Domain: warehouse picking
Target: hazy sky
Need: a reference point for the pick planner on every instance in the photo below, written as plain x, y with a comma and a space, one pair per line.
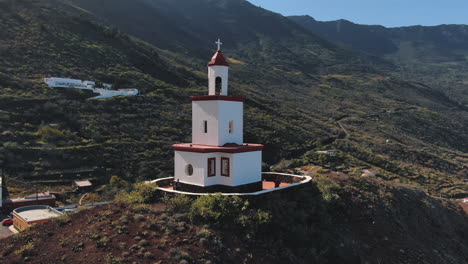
390, 13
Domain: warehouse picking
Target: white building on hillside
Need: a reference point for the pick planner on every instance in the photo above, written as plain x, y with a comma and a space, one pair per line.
217, 159
103, 89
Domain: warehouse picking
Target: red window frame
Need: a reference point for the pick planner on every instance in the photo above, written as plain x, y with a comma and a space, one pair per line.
210, 172
228, 169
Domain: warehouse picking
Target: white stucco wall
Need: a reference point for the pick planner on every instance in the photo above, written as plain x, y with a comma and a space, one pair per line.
218, 71
244, 168
231, 111
199, 162
217, 114
218, 179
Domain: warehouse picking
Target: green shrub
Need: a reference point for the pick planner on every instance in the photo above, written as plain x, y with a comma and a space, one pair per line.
7, 249
328, 188
217, 209
103, 242
110, 259
139, 218
26, 250
178, 204
78, 247
116, 181
144, 192
140, 208
50, 134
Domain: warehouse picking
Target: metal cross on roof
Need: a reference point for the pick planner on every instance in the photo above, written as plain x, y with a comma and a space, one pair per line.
219, 44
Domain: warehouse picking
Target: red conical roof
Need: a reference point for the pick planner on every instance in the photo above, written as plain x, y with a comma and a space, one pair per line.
218, 60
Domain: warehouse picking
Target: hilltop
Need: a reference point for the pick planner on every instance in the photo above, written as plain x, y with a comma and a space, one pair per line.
328, 221
298, 86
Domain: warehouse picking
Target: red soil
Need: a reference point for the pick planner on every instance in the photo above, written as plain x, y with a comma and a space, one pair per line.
114, 234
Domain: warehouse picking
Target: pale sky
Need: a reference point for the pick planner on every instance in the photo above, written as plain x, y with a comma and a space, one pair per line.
390, 13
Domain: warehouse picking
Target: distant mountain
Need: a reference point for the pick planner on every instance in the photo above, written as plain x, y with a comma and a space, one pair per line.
444, 42
190, 27
436, 55
355, 36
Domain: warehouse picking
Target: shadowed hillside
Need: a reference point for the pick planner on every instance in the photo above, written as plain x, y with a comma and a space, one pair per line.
327, 221
297, 84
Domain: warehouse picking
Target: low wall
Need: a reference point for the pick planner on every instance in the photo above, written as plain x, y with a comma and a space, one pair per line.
10, 205
287, 178
293, 180
20, 223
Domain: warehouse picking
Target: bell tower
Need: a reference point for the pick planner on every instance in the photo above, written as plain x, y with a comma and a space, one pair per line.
217, 159
218, 70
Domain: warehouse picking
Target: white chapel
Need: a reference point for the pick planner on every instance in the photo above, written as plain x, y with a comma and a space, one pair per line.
218, 160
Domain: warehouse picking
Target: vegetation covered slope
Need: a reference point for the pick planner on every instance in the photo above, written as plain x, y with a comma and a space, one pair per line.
297, 86
435, 55
327, 221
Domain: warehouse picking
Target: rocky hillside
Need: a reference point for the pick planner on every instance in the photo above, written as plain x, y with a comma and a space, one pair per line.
298, 86
329, 221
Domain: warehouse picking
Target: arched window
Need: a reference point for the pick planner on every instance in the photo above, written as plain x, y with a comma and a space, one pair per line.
218, 85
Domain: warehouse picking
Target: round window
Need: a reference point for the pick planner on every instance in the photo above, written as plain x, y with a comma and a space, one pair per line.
189, 169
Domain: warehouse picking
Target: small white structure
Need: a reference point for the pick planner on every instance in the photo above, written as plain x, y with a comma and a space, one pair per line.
66, 83
217, 158
330, 153
27, 216
104, 91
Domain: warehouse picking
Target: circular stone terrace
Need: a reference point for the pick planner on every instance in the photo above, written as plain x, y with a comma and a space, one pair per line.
287, 181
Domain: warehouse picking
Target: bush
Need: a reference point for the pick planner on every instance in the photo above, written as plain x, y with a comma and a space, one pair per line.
144, 192
50, 134
103, 242
110, 259
26, 250
217, 209
328, 188
178, 203
116, 181
139, 218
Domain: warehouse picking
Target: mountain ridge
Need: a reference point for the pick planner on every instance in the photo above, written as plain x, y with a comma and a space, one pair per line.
434, 55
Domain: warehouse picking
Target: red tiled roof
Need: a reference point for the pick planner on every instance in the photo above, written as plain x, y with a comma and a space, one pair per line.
225, 149
218, 60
